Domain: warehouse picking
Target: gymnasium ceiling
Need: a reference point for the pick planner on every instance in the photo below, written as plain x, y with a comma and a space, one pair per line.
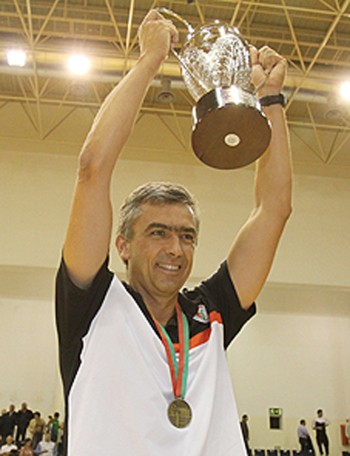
42, 102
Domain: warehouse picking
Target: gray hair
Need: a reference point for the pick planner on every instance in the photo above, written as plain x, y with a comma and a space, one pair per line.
154, 193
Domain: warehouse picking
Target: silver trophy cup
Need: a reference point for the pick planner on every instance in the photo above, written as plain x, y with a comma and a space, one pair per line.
229, 128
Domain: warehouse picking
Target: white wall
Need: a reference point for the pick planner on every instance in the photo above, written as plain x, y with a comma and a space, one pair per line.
298, 363
36, 193
28, 356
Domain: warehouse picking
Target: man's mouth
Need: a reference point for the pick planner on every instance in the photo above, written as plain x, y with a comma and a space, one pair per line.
169, 267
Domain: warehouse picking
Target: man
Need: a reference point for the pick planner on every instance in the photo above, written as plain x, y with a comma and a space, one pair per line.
36, 429
305, 439
319, 424
8, 423
2, 436
143, 365
46, 446
347, 429
24, 415
8, 446
55, 425
245, 432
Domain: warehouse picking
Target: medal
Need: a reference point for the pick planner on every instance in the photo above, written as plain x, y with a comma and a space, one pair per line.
179, 411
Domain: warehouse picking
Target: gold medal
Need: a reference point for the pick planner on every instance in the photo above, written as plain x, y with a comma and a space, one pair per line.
179, 413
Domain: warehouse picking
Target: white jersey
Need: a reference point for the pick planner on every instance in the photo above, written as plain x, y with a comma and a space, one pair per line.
119, 397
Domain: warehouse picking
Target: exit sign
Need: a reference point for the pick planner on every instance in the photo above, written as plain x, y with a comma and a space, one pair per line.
275, 411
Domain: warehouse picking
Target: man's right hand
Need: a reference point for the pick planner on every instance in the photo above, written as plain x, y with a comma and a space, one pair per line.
156, 36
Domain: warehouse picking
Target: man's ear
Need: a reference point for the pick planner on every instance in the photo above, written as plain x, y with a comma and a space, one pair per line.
122, 246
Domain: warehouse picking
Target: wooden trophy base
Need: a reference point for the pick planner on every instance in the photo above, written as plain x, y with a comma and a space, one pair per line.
230, 130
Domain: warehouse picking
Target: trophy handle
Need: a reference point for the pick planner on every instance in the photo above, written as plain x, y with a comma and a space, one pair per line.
181, 61
169, 12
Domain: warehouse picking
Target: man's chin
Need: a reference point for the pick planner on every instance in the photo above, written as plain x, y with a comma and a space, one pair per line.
171, 285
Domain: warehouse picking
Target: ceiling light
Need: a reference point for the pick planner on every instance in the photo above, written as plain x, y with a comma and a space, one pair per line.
78, 64
16, 57
345, 90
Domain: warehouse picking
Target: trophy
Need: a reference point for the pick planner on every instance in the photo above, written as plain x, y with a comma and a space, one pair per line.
229, 128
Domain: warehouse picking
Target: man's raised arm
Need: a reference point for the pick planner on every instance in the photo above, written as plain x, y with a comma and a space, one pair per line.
252, 253
89, 229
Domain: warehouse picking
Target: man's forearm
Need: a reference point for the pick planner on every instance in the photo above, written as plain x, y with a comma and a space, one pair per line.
116, 117
273, 174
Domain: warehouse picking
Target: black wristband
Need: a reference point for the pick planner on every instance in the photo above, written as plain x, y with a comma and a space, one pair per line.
273, 99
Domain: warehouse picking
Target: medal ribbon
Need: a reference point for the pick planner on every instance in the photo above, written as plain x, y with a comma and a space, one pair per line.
178, 369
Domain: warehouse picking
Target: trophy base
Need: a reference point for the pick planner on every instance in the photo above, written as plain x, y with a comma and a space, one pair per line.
230, 130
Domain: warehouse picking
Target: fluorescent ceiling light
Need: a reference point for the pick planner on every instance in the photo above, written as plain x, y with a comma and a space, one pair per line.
16, 57
78, 64
345, 90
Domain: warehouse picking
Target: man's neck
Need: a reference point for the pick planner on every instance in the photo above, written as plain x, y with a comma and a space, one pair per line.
161, 307
161, 310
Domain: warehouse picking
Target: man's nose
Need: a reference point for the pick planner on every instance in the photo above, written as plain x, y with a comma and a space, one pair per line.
174, 245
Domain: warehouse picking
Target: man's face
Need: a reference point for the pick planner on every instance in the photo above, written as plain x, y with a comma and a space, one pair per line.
160, 253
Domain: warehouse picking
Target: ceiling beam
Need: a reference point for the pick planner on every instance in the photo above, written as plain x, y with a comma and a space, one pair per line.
320, 49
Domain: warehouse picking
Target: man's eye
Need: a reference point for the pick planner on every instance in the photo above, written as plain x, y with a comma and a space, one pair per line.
189, 238
158, 233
